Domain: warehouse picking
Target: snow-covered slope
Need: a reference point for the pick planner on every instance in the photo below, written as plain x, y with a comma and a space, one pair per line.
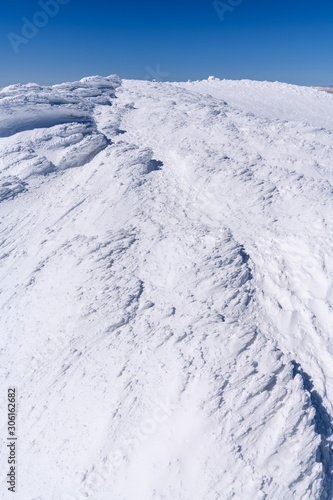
167, 289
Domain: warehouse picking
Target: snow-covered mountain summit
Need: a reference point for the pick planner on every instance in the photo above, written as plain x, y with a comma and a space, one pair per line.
167, 289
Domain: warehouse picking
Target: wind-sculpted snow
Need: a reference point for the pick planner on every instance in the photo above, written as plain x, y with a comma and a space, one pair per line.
52, 128
167, 303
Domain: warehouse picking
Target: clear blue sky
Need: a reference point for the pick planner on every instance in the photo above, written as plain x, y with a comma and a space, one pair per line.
283, 40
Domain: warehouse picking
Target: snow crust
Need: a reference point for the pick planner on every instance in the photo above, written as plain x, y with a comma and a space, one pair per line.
167, 289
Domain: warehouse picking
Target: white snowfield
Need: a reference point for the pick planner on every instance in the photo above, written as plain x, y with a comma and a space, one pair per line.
166, 300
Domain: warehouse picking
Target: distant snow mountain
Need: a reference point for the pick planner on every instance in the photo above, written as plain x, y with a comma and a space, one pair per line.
328, 89
166, 298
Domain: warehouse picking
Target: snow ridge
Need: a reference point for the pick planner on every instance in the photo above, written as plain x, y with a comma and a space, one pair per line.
166, 294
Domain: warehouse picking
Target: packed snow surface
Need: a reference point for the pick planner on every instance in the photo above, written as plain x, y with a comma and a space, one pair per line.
166, 301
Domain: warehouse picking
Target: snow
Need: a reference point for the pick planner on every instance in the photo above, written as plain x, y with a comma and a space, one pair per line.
167, 289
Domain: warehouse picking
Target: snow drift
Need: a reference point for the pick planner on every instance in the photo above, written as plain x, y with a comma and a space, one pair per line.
167, 289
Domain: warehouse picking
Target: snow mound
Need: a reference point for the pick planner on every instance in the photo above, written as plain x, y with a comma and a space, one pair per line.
167, 289
44, 129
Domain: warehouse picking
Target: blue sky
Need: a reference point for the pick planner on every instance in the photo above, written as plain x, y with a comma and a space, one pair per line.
282, 40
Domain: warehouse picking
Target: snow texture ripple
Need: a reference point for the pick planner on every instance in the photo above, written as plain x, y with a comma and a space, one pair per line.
166, 297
